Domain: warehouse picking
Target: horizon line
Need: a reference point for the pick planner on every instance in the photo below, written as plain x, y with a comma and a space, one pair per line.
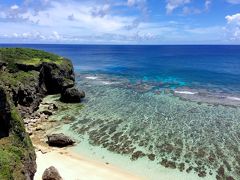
119, 44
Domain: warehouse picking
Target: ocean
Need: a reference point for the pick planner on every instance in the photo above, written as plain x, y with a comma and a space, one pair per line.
160, 109
192, 66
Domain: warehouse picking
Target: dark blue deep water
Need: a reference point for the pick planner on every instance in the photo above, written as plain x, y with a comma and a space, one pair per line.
205, 66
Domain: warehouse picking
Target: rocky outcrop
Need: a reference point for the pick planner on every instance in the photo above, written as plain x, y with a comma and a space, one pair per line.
57, 78
51, 173
29, 80
72, 95
26, 76
59, 140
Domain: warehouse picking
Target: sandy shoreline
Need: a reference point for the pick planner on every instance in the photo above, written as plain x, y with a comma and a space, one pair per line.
73, 166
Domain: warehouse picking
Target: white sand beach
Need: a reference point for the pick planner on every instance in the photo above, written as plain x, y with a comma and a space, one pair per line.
74, 167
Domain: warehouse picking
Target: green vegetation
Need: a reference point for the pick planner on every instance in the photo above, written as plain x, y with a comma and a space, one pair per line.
15, 80
14, 149
27, 56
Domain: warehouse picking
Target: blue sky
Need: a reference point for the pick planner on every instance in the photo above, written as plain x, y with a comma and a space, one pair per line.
120, 21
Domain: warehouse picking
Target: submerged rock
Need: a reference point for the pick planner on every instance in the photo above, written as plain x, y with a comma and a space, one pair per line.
72, 95
168, 164
59, 140
137, 154
51, 173
151, 157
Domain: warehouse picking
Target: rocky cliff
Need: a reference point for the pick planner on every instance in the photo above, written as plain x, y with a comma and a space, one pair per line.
26, 76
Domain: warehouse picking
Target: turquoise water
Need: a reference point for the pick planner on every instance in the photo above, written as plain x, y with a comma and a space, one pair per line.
159, 106
166, 129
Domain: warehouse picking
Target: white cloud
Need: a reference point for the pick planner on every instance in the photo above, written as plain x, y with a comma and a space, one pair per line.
135, 2
207, 4
14, 7
81, 14
234, 1
233, 19
35, 35
233, 26
173, 4
94, 21
55, 35
27, 35
100, 11
75, 22
193, 10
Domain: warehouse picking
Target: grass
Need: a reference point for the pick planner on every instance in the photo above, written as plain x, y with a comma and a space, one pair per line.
18, 78
28, 56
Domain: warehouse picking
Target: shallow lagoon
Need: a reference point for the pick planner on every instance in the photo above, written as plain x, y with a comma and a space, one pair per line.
151, 126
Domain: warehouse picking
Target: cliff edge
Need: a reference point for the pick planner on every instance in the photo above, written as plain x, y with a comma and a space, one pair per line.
26, 76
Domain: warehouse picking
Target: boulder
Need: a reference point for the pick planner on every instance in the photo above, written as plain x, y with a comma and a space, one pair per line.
56, 78
59, 140
51, 173
72, 95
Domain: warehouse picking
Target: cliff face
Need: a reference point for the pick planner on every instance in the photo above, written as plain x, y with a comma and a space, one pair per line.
26, 76
16, 151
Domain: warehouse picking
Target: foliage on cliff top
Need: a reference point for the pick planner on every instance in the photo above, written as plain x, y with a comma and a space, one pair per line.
28, 56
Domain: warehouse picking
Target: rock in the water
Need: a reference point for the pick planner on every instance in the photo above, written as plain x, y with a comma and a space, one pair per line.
72, 95
51, 173
137, 154
59, 140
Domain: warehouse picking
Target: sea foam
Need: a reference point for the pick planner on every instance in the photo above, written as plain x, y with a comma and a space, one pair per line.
186, 92
233, 98
91, 77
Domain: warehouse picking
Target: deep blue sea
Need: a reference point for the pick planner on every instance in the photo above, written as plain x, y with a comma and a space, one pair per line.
150, 107
199, 66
